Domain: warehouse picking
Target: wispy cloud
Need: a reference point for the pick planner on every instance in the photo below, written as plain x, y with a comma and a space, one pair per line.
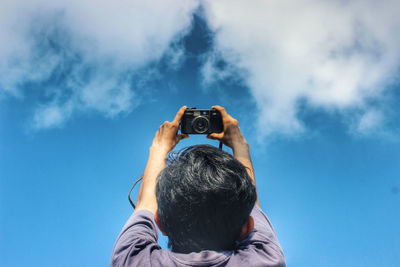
334, 55
91, 50
369, 120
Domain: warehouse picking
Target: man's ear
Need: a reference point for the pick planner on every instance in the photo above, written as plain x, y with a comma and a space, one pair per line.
247, 227
158, 222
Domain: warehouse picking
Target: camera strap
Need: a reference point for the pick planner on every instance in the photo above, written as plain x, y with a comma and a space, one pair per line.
130, 191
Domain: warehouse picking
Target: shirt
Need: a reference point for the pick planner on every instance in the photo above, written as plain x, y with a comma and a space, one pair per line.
137, 246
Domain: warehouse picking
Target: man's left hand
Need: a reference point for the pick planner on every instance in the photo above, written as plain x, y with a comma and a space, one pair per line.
167, 135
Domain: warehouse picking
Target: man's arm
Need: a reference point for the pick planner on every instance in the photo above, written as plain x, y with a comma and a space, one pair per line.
262, 239
233, 138
164, 141
139, 235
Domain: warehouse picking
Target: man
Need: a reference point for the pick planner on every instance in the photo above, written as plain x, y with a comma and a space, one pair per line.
204, 200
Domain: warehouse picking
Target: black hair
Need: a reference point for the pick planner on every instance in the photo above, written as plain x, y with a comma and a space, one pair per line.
204, 197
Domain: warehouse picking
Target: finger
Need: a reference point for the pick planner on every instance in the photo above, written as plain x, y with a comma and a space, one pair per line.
209, 137
179, 137
215, 136
182, 136
221, 109
179, 115
164, 124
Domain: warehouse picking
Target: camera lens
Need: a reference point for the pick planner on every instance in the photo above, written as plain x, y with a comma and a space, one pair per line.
200, 124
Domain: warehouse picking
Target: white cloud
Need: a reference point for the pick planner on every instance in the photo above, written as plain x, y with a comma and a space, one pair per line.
335, 55
50, 116
93, 48
369, 121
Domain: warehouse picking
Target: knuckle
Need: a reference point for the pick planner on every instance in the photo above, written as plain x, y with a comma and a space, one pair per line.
232, 122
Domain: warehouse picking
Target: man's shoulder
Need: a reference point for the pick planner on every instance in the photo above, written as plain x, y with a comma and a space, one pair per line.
261, 245
137, 246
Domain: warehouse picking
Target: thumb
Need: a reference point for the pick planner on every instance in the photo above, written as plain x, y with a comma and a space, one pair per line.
215, 136
179, 137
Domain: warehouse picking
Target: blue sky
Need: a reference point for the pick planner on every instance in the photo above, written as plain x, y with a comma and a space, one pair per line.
77, 116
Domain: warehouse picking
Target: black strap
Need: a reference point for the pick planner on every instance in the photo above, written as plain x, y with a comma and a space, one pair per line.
133, 186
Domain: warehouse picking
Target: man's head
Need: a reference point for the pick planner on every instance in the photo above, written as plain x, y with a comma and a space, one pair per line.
204, 199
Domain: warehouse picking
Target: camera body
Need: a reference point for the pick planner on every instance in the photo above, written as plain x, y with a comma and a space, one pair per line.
201, 121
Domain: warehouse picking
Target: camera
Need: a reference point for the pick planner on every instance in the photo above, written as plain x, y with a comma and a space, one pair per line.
201, 121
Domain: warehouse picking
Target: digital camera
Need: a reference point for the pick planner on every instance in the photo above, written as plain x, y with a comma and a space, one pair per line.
201, 121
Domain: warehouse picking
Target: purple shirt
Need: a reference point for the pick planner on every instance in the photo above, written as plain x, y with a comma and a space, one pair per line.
137, 246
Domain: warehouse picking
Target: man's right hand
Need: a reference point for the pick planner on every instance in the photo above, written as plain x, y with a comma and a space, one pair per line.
231, 136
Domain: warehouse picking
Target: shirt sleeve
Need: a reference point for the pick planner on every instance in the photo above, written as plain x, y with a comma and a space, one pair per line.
262, 240
139, 235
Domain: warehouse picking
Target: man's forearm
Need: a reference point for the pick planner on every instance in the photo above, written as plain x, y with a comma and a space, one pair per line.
164, 141
241, 152
147, 193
